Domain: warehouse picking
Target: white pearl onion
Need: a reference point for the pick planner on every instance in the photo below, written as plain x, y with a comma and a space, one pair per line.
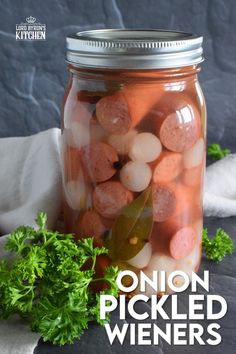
141, 259
135, 176
77, 135
162, 262
194, 156
121, 143
189, 263
77, 194
145, 147
157, 263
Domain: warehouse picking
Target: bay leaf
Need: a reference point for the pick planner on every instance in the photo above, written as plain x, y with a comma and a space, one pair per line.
132, 228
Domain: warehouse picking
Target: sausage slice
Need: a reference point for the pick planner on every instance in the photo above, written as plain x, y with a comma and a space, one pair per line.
168, 167
98, 161
182, 242
90, 225
113, 114
110, 197
125, 109
164, 202
177, 122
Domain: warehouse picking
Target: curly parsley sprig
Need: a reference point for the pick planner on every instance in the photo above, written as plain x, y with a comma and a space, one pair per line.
215, 152
48, 282
217, 247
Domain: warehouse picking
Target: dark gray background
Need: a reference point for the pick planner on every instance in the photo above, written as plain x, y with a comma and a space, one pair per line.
33, 74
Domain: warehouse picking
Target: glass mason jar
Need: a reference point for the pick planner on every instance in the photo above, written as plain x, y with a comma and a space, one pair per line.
133, 136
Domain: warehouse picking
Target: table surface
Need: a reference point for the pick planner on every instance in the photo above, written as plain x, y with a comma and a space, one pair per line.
222, 282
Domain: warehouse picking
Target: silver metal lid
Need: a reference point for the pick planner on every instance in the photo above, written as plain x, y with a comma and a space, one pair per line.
133, 49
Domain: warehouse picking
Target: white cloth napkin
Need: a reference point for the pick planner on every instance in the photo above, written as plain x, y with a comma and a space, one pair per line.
220, 188
30, 181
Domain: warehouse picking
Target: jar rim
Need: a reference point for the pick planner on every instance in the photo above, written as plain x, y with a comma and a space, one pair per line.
133, 49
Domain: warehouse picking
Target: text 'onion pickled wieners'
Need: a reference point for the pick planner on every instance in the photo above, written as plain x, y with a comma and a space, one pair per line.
90, 225
98, 161
110, 197
168, 167
177, 122
164, 202
145, 147
182, 242
136, 176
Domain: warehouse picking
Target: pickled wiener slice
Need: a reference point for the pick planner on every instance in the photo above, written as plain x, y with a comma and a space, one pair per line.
98, 161
165, 233
110, 197
177, 122
145, 147
113, 114
125, 109
141, 99
182, 242
164, 202
135, 176
168, 167
177, 135
90, 225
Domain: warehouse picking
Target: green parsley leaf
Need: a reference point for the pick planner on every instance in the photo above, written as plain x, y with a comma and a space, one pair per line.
41, 220
215, 152
48, 283
218, 247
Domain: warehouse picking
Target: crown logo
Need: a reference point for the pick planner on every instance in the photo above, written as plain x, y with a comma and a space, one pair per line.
31, 19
